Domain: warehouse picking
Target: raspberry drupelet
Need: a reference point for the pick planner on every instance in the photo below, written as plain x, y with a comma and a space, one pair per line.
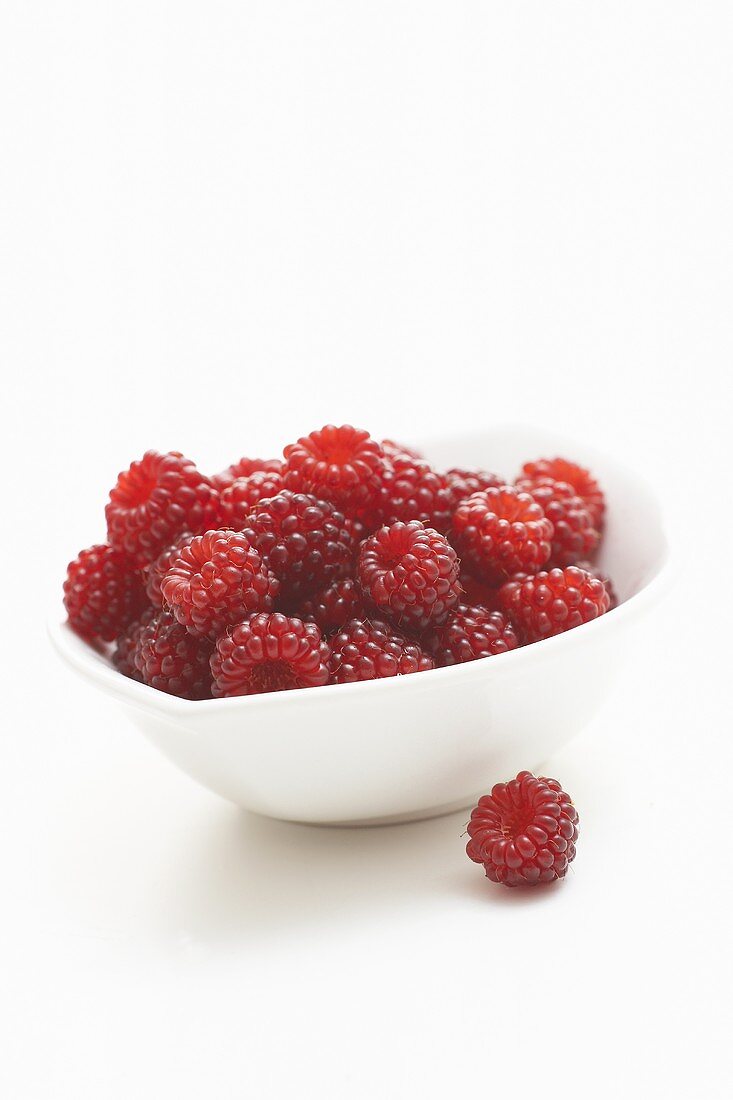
501, 531
170, 659
306, 542
409, 572
550, 603
215, 580
585, 485
269, 653
606, 580
342, 465
155, 501
245, 468
239, 498
575, 536
373, 650
470, 633
103, 593
524, 832
333, 606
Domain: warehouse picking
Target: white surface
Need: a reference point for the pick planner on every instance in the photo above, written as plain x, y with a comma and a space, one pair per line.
378, 753
221, 225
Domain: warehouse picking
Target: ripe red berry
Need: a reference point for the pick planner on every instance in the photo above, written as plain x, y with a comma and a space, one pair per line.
103, 593
269, 653
372, 650
306, 542
245, 468
239, 498
217, 579
126, 646
552, 602
470, 633
575, 536
464, 483
524, 832
411, 489
155, 501
342, 465
410, 573
501, 531
334, 605
170, 659
585, 485
154, 573
604, 578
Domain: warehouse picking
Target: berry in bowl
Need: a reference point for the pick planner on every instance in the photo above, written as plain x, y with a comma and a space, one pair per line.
357, 633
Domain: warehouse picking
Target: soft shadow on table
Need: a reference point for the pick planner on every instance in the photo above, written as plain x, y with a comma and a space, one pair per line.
245, 875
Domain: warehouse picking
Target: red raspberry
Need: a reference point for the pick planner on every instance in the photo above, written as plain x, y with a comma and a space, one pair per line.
154, 573
464, 483
604, 578
239, 498
245, 468
170, 659
304, 541
102, 593
585, 485
524, 832
501, 531
411, 489
552, 602
574, 536
155, 501
125, 651
392, 449
333, 606
269, 653
215, 580
470, 633
410, 572
342, 465
372, 650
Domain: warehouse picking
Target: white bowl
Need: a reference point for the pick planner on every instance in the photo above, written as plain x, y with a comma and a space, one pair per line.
426, 744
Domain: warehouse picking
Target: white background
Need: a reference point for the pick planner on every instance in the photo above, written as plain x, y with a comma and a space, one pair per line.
222, 225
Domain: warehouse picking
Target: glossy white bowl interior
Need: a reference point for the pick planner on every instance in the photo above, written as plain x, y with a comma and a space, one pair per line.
419, 745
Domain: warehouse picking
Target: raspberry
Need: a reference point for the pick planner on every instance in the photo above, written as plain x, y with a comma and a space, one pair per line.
342, 465
269, 653
501, 531
470, 633
154, 573
604, 578
304, 541
464, 483
411, 489
524, 832
170, 659
410, 572
373, 650
245, 468
333, 606
392, 449
102, 593
215, 580
574, 536
585, 485
125, 651
239, 498
551, 602
155, 501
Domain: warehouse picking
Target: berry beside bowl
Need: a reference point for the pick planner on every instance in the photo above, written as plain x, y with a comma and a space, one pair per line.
492, 687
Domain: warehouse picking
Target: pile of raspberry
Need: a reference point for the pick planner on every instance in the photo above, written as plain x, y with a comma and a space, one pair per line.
348, 559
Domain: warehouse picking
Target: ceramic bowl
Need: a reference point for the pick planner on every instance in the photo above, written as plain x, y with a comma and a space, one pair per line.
421, 745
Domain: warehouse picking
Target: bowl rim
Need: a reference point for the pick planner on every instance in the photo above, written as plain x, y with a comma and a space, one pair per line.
83, 657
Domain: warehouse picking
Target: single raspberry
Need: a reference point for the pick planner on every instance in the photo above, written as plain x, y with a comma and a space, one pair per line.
239, 498
470, 633
410, 573
392, 449
585, 485
170, 659
372, 650
334, 605
342, 465
524, 832
552, 602
464, 483
154, 573
215, 580
125, 651
476, 593
575, 536
501, 531
155, 501
411, 489
269, 653
304, 541
604, 578
103, 593
245, 468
